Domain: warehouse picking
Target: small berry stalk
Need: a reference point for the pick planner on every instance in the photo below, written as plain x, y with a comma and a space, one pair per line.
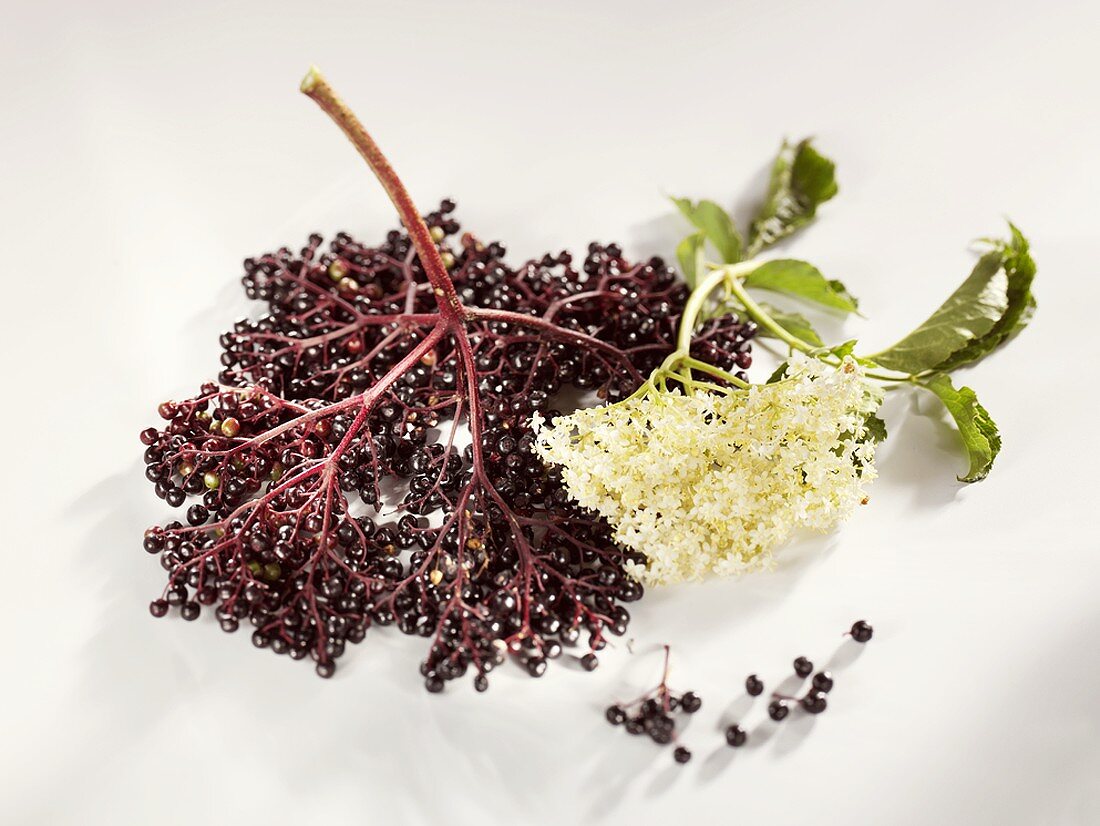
652, 713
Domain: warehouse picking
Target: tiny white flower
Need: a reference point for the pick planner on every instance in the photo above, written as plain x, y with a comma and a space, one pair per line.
712, 483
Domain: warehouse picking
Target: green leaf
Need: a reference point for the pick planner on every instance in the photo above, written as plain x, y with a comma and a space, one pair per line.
779, 373
716, 224
977, 429
690, 254
876, 428
801, 180
969, 314
794, 323
839, 288
1020, 269
844, 349
802, 280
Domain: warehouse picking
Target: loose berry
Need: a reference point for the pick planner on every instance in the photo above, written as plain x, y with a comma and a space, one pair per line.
777, 710
736, 736
681, 755
862, 631
803, 667
823, 682
754, 685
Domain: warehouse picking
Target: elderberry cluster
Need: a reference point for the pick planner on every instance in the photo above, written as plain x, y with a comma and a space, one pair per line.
653, 714
325, 485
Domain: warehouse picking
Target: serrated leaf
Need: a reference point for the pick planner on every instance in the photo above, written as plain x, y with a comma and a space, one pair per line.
689, 253
1020, 269
802, 280
970, 313
716, 225
801, 180
794, 323
979, 433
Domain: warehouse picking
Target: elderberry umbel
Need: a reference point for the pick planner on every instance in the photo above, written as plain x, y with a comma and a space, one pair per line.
653, 713
357, 379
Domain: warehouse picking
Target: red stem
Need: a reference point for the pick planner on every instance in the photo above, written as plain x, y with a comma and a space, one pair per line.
553, 331
317, 88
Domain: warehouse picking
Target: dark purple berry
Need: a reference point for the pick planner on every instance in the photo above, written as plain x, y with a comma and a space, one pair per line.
814, 702
777, 710
823, 682
862, 631
754, 685
681, 754
803, 667
661, 736
736, 736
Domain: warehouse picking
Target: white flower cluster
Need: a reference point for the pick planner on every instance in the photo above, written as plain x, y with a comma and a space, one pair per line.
711, 483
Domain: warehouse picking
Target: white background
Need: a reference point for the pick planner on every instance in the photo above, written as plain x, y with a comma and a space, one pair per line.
147, 148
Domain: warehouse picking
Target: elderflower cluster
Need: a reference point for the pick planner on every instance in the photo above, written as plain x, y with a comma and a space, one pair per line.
711, 483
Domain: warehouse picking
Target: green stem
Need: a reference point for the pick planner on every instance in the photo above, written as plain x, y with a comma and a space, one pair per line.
679, 364
703, 367
723, 276
775, 328
762, 318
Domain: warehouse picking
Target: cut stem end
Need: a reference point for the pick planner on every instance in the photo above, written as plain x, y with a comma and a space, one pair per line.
312, 79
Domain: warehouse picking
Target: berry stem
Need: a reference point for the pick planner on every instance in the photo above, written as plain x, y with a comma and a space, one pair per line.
317, 88
553, 331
